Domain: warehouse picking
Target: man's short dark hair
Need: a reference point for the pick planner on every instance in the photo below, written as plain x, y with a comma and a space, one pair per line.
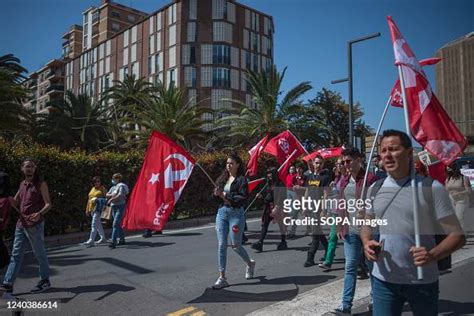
405, 140
352, 152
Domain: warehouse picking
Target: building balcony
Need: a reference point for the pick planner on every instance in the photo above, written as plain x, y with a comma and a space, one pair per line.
55, 89
54, 75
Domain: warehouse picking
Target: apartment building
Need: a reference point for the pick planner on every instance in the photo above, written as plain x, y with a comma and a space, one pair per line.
205, 46
455, 83
46, 84
102, 23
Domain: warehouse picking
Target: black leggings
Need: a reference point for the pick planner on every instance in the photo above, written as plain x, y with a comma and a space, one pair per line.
315, 239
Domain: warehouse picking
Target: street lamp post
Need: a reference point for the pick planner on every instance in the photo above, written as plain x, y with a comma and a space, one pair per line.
349, 80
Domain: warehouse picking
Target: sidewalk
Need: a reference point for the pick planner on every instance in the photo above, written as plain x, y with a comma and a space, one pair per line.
324, 299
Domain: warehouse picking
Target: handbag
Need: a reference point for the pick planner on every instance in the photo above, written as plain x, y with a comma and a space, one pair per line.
107, 213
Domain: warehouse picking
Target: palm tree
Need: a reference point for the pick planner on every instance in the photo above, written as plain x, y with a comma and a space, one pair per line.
269, 114
12, 113
168, 113
73, 122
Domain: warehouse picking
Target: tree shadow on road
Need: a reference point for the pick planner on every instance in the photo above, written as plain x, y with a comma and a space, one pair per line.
109, 290
226, 295
141, 244
30, 266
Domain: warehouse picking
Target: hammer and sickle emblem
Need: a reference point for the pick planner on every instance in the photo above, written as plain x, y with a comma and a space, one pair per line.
172, 175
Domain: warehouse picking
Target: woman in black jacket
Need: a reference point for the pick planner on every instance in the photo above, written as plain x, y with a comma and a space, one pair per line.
232, 189
273, 197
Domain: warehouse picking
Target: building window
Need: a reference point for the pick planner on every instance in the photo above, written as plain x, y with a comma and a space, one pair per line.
190, 77
106, 82
172, 77
191, 31
192, 54
134, 34
221, 54
221, 77
115, 26
125, 71
115, 14
172, 35
157, 63
150, 64
95, 16
172, 14
192, 9
131, 18
255, 62
248, 60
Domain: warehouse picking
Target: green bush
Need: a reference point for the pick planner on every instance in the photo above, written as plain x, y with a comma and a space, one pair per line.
68, 175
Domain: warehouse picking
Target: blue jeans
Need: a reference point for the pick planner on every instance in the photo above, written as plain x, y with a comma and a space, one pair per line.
352, 253
227, 218
389, 298
96, 227
35, 235
117, 231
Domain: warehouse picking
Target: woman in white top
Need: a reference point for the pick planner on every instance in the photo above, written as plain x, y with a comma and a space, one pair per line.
459, 188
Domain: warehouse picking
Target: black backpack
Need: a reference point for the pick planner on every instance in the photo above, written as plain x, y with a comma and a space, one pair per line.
427, 183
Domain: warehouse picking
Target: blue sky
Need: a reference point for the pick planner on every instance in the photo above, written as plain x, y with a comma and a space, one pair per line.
310, 38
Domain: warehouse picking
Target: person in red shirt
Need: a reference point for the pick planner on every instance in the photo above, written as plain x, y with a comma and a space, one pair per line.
33, 202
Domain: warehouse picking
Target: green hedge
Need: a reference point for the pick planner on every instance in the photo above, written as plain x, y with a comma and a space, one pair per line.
68, 175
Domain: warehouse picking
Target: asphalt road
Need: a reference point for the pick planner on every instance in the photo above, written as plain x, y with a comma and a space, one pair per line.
173, 274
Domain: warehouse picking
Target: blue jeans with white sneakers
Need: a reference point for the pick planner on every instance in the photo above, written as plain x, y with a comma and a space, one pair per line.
230, 222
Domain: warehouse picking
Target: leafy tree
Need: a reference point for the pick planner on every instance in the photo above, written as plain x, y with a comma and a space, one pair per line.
248, 123
168, 113
12, 113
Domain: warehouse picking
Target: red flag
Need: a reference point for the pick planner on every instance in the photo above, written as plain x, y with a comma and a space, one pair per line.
253, 184
254, 154
325, 153
396, 93
283, 145
430, 125
165, 171
438, 172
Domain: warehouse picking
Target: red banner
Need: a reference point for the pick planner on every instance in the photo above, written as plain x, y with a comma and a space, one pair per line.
165, 171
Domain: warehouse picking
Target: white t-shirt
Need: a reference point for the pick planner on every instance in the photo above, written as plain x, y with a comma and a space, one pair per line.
395, 264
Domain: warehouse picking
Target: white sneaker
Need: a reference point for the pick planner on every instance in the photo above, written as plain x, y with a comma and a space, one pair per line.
102, 241
90, 242
220, 283
249, 270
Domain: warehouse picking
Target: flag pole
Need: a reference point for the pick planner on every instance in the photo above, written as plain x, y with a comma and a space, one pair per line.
266, 184
208, 176
372, 150
414, 190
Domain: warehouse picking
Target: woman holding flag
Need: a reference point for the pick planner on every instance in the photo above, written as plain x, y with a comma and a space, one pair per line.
232, 190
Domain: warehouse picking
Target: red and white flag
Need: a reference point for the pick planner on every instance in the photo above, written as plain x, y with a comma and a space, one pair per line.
283, 145
255, 183
165, 171
430, 125
325, 153
254, 153
396, 93
286, 148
